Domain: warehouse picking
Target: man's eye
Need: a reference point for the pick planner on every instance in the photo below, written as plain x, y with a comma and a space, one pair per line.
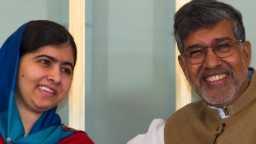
223, 47
196, 52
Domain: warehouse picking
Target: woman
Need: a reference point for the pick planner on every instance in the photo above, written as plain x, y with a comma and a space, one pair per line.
37, 63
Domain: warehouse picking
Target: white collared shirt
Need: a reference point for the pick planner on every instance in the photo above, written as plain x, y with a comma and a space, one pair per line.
155, 134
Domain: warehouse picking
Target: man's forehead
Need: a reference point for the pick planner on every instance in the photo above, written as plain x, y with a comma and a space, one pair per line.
209, 34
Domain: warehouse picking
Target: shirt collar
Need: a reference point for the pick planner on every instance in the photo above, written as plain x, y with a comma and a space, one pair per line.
242, 102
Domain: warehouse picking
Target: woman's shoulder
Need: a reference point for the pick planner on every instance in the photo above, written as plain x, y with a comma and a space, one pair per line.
1, 140
78, 137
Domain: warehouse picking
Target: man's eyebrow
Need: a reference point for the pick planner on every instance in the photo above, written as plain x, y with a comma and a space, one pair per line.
194, 46
214, 40
221, 39
55, 60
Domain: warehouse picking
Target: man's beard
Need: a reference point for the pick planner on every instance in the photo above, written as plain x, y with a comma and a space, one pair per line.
220, 95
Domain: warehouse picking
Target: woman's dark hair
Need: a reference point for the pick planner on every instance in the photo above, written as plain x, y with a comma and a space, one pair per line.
41, 33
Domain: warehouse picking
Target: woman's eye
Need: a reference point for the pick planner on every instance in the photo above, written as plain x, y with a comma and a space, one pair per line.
45, 62
66, 71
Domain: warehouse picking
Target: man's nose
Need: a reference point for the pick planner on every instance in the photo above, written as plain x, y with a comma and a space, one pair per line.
211, 59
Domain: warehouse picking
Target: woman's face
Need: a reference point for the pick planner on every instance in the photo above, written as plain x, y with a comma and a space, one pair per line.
44, 77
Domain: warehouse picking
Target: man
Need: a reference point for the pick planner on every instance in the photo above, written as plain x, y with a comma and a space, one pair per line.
215, 58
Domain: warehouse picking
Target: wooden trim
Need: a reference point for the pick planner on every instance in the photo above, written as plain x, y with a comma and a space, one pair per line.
183, 90
77, 91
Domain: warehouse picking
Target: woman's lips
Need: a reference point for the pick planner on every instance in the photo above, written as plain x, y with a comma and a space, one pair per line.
46, 90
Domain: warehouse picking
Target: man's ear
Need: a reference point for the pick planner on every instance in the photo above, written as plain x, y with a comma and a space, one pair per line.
183, 65
246, 50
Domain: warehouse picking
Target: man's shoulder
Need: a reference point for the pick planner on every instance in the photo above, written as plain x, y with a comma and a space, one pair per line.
185, 120
194, 109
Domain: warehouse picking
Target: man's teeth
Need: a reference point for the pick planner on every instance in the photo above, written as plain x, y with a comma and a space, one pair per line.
216, 77
46, 89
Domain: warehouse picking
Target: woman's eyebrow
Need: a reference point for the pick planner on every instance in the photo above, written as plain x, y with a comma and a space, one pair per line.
69, 64
54, 60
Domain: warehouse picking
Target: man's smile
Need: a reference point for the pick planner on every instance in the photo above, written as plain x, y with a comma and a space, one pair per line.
215, 78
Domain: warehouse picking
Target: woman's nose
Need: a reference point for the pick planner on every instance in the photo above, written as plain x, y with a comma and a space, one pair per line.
55, 76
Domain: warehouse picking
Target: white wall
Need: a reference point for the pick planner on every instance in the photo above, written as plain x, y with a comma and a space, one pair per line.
130, 73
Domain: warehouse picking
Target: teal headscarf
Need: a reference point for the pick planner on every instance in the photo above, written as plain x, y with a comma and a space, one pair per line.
48, 128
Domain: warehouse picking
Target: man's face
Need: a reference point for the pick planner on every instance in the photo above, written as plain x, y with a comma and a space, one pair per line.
218, 81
